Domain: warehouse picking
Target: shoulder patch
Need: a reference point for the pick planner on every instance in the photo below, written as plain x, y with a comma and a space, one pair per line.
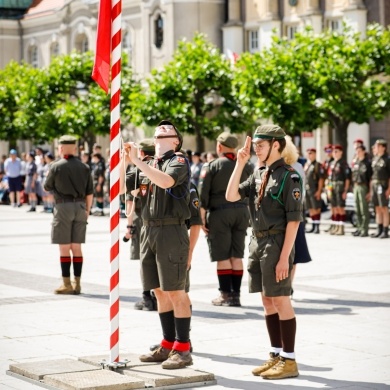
289, 168
195, 203
181, 160
296, 193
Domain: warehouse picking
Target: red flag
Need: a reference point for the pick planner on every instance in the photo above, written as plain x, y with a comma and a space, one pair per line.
101, 67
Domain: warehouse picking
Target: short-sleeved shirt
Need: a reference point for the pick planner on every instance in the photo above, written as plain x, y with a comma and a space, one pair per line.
156, 202
362, 171
282, 201
314, 173
98, 170
340, 170
69, 178
214, 179
381, 168
13, 168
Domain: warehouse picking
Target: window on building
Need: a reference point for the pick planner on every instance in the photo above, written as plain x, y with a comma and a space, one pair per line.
158, 32
334, 24
81, 43
54, 49
126, 45
33, 56
253, 41
291, 31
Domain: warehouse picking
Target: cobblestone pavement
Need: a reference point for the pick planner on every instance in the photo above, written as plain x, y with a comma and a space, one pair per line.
341, 298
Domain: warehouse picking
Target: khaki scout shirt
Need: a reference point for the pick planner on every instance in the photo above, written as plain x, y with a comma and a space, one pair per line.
361, 172
214, 179
314, 172
274, 214
156, 202
381, 168
340, 171
69, 178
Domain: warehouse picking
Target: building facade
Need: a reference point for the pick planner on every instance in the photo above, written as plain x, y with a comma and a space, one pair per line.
36, 30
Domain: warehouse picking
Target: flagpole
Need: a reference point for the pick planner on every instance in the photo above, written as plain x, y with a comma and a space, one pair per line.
116, 50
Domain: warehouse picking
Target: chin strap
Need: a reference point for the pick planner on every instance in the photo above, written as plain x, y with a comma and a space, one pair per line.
269, 151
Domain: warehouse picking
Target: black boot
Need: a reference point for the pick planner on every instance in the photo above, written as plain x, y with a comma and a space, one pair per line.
317, 228
379, 232
313, 228
385, 232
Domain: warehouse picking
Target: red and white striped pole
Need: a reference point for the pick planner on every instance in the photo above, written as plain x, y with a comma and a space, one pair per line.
116, 49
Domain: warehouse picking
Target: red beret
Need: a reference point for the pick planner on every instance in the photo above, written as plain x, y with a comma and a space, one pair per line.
311, 150
359, 140
337, 147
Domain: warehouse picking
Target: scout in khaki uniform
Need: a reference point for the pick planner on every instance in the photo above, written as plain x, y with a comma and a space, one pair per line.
225, 223
164, 193
361, 176
380, 187
71, 183
315, 177
340, 180
275, 206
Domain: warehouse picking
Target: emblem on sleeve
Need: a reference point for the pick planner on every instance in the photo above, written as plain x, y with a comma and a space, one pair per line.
295, 177
296, 193
181, 160
195, 203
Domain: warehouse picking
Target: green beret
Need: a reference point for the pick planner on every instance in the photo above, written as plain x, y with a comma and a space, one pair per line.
227, 139
147, 145
67, 140
382, 142
269, 132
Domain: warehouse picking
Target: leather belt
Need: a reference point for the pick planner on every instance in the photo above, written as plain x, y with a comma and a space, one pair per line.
229, 206
267, 233
163, 222
69, 200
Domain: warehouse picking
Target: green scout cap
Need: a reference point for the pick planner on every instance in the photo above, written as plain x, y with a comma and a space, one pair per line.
67, 140
227, 139
147, 145
381, 141
269, 132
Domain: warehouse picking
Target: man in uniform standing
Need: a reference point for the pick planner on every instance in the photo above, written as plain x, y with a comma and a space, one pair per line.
361, 176
315, 177
380, 187
275, 203
340, 180
164, 189
71, 183
226, 222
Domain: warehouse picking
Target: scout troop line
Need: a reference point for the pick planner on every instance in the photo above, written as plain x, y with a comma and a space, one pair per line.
170, 214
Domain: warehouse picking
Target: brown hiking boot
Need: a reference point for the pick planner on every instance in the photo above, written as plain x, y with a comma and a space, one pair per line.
76, 285
177, 360
222, 300
273, 359
158, 355
66, 288
285, 368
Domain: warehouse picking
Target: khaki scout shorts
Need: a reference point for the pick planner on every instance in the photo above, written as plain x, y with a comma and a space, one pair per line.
264, 255
337, 195
311, 201
227, 232
379, 195
164, 257
69, 223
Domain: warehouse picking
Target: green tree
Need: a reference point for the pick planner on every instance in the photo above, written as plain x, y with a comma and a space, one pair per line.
194, 90
333, 77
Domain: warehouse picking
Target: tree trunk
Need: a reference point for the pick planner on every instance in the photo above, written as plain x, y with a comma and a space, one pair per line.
199, 141
341, 134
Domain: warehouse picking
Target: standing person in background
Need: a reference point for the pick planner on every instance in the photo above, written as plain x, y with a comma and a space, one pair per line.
134, 223
47, 196
275, 204
196, 167
12, 169
71, 183
361, 177
30, 185
98, 176
380, 187
328, 149
225, 223
315, 177
340, 180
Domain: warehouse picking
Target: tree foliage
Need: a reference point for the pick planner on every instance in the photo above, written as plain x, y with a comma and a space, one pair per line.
194, 90
333, 77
